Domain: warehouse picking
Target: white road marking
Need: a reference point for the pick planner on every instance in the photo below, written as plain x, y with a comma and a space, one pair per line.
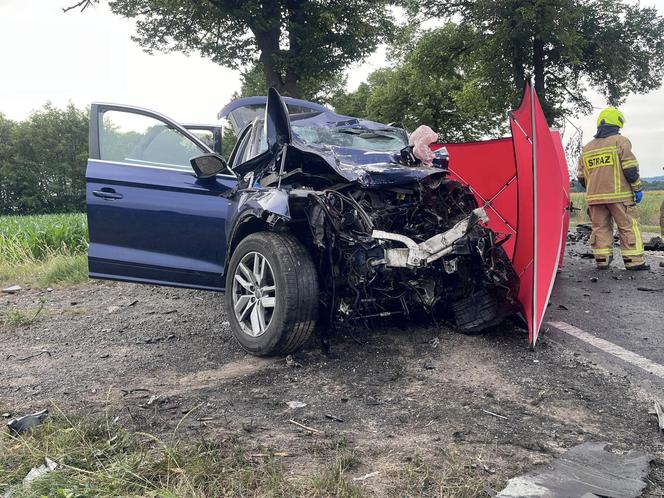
610, 348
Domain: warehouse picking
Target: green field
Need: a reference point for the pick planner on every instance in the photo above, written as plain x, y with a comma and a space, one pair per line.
45, 249
40, 237
648, 209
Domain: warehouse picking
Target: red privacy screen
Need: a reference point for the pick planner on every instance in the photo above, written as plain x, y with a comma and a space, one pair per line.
523, 184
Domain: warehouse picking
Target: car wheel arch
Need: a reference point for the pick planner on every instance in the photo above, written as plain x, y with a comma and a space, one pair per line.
250, 224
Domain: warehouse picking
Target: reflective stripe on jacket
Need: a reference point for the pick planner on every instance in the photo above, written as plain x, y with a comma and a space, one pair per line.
609, 170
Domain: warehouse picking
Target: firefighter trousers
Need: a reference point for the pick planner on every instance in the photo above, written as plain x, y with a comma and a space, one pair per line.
626, 216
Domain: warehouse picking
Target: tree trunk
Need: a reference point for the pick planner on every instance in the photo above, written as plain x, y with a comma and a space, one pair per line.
296, 22
538, 69
267, 41
272, 76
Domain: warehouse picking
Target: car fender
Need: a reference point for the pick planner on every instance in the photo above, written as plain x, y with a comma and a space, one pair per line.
256, 210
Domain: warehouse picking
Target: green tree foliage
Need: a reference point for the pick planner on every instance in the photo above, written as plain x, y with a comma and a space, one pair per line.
295, 41
43, 160
616, 46
436, 84
7, 130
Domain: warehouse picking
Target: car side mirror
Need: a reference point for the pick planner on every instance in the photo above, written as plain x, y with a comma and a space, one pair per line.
208, 165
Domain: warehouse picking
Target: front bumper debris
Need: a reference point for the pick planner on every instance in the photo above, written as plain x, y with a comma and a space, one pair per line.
416, 255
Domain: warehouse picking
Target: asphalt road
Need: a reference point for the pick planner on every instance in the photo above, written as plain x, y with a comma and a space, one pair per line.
613, 305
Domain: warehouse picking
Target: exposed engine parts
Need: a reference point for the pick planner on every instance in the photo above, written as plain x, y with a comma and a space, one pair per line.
402, 250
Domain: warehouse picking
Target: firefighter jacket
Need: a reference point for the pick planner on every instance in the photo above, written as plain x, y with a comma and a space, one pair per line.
609, 170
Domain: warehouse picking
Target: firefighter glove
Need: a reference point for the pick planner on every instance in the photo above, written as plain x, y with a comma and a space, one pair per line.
638, 197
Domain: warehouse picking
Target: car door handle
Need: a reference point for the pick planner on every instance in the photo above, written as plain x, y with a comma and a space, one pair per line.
107, 193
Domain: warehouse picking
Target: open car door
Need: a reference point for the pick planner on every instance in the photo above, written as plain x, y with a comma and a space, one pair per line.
150, 218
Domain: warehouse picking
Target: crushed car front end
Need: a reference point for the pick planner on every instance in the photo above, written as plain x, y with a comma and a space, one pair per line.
388, 238
402, 251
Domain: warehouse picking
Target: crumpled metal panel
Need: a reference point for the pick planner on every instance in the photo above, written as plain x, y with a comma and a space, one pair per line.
585, 470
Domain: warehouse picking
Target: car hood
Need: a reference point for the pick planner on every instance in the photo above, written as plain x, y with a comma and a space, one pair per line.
289, 153
340, 164
370, 168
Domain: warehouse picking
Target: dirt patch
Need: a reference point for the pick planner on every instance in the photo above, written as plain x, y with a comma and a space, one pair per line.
159, 358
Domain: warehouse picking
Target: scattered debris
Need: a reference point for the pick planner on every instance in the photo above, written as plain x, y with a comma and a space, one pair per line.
488, 470
333, 417
154, 340
483, 467
310, 429
294, 405
135, 301
270, 455
594, 279
563, 307
29, 421
366, 476
292, 362
126, 392
151, 400
35, 472
49, 289
13, 289
651, 289
43, 351
660, 415
493, 414
654, 244
581, 234
372, 401
6, 415
585, 470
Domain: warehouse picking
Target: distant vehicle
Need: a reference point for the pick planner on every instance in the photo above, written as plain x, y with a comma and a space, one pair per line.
316, 218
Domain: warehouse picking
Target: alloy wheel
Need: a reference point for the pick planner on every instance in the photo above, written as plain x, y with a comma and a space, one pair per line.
254, 294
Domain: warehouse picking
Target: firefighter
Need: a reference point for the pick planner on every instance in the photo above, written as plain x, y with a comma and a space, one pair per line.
609, 172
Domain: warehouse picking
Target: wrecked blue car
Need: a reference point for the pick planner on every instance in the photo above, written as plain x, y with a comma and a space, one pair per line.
316, 220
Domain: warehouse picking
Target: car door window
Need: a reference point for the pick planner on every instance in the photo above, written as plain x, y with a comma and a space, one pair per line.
143, 140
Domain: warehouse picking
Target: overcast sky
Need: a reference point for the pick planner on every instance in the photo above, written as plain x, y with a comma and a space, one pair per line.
85, 57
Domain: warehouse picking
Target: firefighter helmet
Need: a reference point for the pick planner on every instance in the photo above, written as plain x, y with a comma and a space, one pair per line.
611, 116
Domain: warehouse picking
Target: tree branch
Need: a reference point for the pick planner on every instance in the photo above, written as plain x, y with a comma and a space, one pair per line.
83, 4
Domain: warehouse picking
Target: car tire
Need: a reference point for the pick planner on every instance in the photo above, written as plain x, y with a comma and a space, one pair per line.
283, 328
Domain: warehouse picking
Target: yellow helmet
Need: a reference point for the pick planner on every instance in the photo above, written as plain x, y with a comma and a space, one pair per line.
611, 116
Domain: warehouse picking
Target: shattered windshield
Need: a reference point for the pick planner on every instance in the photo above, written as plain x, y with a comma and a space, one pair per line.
357, 137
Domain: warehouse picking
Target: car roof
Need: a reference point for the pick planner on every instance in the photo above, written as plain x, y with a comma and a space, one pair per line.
262, 100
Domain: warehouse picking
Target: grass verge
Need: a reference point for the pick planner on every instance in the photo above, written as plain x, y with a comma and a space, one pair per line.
56, 270
43, 250
97, 458
447, 474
